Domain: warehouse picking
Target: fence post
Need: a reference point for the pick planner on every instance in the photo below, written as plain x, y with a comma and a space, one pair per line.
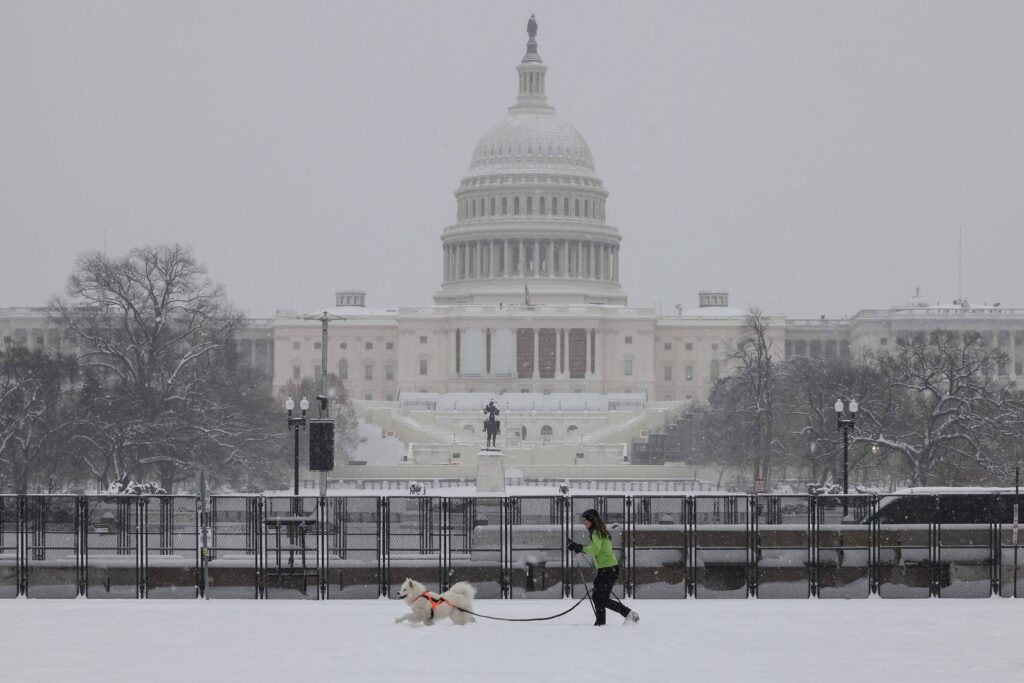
628, 547
384, 545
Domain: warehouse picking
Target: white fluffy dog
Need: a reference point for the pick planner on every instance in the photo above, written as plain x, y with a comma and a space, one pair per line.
427, 607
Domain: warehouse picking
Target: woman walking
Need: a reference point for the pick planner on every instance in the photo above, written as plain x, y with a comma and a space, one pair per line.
607, 566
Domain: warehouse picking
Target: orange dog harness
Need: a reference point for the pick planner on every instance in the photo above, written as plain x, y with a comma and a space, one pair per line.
434, 602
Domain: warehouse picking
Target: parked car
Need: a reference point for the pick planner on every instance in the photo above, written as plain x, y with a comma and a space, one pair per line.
946, 505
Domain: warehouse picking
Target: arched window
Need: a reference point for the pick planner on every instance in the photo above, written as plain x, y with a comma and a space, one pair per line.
554, 206
565, 206
571, 429
343, 369
504, 206
546, 430
586, 208
473, 203
577, 208
515, 206
529, 206
468, 429
492, 206
541, 210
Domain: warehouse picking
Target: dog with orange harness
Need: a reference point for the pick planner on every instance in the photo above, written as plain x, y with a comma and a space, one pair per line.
427, 608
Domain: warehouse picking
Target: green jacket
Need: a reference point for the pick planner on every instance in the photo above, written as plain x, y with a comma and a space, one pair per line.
601, 548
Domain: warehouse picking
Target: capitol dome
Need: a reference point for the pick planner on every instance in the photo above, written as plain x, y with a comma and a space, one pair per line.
532, 142
530, 211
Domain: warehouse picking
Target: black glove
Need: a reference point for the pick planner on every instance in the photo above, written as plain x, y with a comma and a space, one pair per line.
574, 546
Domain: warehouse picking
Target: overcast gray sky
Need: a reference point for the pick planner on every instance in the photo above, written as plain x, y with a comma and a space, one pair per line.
810, 157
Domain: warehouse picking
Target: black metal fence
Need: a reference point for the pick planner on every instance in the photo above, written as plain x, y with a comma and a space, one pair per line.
702, 546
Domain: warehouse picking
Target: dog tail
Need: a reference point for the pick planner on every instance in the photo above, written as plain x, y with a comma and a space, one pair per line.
464, 589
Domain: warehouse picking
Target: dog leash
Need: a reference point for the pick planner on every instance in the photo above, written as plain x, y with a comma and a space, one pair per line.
560, 614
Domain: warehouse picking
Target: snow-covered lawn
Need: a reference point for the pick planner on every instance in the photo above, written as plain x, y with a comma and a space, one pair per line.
827, 641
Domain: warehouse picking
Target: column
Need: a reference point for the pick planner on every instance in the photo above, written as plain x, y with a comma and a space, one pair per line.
506, 257
521, 267
536, 352
491, 270
593, 260
560, 359
565, 258
615, 264
551, 258
444, 248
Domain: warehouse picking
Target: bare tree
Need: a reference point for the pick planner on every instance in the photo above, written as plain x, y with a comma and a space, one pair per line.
35, 391
808, 391
751, 388
152, 328
943, 410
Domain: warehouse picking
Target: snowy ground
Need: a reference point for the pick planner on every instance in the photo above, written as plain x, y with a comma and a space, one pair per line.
691, 640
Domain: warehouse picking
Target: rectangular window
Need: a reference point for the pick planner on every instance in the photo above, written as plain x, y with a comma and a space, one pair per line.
668, 373
668, 397
629, 339
1017, 369
343, 369
316, 372
296, 372
296, 345
524, 352
390, 346
368, 373
884, 341
389, 373
689, 346
423, 366
689, 373
668, 346
547, 338
316, 345
389, 397
369, 346
577, 353
423, 339
367, 397
628, 367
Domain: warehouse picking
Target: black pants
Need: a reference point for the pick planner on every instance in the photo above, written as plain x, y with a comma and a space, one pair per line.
602, 594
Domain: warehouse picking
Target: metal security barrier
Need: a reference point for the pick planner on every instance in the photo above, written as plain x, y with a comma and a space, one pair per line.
704, 546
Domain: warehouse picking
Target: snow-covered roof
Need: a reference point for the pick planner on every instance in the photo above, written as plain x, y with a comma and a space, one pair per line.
946, 490
712, 312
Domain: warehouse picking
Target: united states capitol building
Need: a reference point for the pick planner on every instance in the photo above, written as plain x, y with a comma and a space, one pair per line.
530, 311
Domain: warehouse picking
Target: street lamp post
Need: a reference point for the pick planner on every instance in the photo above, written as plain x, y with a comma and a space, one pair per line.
295, 424
846, 424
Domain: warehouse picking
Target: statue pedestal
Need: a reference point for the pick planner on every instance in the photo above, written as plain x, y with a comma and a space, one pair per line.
490, 472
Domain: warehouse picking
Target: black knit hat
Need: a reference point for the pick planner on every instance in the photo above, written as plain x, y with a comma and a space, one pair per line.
590, 515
